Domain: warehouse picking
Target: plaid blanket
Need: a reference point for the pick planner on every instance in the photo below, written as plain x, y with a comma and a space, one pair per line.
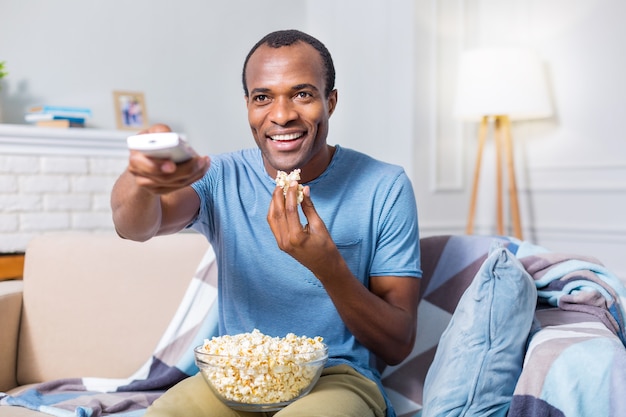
171, 362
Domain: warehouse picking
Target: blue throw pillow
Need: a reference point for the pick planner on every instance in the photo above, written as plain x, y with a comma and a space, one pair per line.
480, 355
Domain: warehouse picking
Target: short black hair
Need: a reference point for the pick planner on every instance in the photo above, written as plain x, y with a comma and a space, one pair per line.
287, 38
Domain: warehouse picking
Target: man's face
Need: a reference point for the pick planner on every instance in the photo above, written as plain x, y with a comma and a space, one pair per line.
287, 109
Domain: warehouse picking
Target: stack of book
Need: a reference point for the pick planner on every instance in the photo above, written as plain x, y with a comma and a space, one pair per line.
57, 116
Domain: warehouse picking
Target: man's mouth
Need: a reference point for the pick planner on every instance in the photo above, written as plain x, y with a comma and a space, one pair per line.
283, 138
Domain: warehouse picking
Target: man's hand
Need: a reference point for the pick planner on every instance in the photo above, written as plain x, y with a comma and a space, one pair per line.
162, 176
309, 244
153, 195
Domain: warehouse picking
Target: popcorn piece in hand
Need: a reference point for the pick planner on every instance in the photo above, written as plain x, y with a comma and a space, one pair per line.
283, 180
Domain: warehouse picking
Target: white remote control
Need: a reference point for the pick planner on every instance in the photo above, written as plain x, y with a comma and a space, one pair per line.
165, 145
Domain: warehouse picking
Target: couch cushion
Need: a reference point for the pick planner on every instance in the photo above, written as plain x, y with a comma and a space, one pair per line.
98, 306
449, 264
480, 354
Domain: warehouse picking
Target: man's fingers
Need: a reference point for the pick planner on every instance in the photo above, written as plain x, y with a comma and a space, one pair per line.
313, 219
157, 128
284, 218
163, 176
276, 216
292, 213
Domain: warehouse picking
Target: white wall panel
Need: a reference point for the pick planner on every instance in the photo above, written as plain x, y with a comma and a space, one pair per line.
446, 140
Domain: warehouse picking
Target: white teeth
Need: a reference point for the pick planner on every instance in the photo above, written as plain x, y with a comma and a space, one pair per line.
286, 137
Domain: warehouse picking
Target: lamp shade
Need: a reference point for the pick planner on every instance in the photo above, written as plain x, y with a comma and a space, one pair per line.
501, 81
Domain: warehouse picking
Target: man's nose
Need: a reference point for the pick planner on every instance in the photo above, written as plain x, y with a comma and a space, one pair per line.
283, 111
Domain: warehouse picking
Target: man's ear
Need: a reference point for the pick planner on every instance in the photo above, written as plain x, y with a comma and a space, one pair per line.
332, 101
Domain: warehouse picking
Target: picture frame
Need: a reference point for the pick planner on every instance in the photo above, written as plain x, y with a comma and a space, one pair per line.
130, 110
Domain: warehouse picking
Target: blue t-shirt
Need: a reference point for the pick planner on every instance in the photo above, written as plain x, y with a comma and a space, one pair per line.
369, 209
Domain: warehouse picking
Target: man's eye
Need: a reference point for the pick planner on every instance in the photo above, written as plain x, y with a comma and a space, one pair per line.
303, 94
260, 98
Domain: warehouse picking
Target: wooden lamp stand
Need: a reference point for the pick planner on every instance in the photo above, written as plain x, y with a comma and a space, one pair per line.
503, 145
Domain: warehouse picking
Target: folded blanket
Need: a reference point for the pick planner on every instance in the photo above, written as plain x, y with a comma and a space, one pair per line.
575, 364
171, 362
576, 283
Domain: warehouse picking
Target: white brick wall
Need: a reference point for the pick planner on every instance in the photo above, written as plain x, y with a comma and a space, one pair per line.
54, 193
55, 188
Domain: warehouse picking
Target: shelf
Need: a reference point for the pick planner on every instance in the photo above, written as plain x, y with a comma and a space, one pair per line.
33, 140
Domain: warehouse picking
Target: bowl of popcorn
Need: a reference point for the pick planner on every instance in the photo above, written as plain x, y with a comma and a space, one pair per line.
256, 372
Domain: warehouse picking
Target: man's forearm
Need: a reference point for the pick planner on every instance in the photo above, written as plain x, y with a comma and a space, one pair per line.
384, 322
136, 212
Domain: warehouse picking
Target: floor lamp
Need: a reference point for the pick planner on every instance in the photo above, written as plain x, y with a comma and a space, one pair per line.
496, 86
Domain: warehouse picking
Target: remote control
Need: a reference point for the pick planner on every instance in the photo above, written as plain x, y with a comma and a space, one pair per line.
165, 145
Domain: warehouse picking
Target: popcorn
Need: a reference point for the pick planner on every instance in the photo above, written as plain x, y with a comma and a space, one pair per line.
283, 180
254, 368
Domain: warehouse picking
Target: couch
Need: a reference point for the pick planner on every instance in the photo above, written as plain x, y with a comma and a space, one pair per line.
82, 297
95, 305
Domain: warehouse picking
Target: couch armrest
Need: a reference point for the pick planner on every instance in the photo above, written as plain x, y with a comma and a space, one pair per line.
10, 313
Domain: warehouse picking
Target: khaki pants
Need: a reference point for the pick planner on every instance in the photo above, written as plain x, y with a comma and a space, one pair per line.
340, 391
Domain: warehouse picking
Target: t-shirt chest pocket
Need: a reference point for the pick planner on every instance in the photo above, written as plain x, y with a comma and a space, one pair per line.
351, 253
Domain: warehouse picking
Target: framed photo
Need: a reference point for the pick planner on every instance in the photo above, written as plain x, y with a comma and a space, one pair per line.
130, 110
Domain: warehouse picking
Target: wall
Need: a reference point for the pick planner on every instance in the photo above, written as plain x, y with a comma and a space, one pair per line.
372, 43
396, 67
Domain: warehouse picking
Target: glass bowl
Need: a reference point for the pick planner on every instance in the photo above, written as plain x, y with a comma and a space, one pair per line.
256, 383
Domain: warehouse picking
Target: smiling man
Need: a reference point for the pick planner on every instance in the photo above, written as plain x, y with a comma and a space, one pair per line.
343, 265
